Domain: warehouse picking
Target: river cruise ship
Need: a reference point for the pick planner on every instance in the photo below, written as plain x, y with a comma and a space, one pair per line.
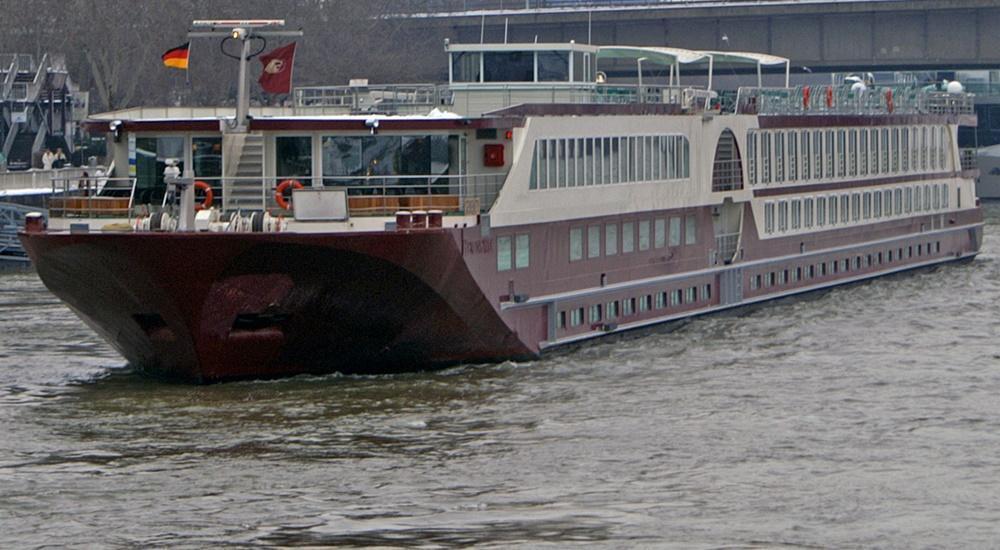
527, 204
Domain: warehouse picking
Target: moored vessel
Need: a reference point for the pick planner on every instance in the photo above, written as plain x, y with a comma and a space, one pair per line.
527, 204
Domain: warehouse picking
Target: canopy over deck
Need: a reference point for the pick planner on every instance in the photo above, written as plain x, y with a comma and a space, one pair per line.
675, 57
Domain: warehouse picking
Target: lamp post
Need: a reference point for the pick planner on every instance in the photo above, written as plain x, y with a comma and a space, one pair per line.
642, 95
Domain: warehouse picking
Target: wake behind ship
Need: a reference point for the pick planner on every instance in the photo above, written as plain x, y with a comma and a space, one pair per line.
525, 205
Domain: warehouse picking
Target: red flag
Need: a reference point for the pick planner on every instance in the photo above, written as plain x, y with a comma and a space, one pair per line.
276, 78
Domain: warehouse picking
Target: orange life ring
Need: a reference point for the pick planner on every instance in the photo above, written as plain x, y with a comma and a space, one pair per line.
279, 192
888, 101
805, 97
209, 196
829, 96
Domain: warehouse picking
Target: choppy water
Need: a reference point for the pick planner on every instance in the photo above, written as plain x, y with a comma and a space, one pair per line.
864, 416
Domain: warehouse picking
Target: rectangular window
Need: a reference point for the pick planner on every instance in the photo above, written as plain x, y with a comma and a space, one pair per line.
782, 216
845, 208
852, 153
611, 239
796, 214
690, 229
768, 217
752, 157
690, 295
575, 244
833, 210
628, 237
595, 313
863, 152
821, 211
661, 300
895, 149
917, 207
877, 204
522, 255
841, 153
855, 206
660, 232
628, 306
874, 151
593, 241
576, 317
885, 151
675, 231
818, 154
675, 298
805, 155
765, 157
644, 235
645, 303
503, 254
562, 319
706, 292
779, 157
908, 205
793, 160
829, 154
807, 213
612, 311
905, 150
867, 211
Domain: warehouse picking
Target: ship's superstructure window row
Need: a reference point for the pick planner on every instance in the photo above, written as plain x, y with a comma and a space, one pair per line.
842, 209
631, 236
579, 162
800, 155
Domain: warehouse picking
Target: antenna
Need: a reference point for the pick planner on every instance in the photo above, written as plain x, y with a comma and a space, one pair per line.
243, 30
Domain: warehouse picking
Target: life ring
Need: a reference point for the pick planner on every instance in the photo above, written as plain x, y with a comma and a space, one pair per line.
888, 101
279, 192
805, 97
209, 196
829, 96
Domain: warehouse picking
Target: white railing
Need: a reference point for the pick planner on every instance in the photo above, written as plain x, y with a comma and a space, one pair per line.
88, 196
844, 100
37, 179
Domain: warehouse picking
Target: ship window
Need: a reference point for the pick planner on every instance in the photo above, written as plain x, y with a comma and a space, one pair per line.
576, 317
887, 201
645, 302
769, 217
509, 67
905, 150
628, 237
661, 300
841, 153
923, 148
690, 229
885, 151
796, 214
927, 198
675, 231
675, 298
863, 152
855, 206
293, 155
206, 156
754, 282
820, 211
611, 239
553, 66
644, 235
612, 311
852, 153
937, 246
807, 214
833, 210
811, 272
782, 276
873, 158
628, 306
151, 158
593, 241
933, 149
562, 319
895, 149
503, 254
942, 148
818, 154
769, 281
752, 157
908, 205
797, 274
779, 157
690, 295
829, 154
727, 170
877, 204
782, 216
917, 206
595, 313
765, 157
660, 232
898, 199
805, 155
576, 244
465, 66
889, 256
706, 292
936, 196
867, 212
822, 269
845, 208
944, 195
522, 255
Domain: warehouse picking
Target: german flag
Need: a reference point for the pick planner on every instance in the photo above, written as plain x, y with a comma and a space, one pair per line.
177, 57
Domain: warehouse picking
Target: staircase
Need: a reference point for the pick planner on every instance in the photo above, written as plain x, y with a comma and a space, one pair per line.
244, 185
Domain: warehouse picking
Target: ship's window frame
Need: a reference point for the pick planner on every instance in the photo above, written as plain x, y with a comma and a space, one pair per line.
628, 237
752, 157
805, 138
575, 244
690, 229
644, 240
779, 157
852, 153
807, 212
820, 211
793, 141
796, 214
782, 216
659, 232
593, 241
674, 235
769, 217
522, 251
863, 152
611, 239
505, 258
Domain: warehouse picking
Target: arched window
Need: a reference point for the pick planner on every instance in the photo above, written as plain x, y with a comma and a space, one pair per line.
727, 170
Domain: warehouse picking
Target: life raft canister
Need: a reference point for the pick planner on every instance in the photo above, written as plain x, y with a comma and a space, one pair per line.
829, 96
805, 97
209, 196
888, 101
279, 192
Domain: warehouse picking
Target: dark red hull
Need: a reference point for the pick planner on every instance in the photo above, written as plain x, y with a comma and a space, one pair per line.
221, 306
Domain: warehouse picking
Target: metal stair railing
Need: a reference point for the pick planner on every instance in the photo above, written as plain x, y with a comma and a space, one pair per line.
35, 88
8, 81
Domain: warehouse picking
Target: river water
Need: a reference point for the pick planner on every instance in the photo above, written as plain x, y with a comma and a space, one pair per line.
863, 416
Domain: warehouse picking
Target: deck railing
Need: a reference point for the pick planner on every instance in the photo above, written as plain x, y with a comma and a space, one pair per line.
844, 100
37, 179
92, 197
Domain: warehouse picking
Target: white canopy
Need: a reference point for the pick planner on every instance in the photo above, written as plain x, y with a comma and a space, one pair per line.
674, 57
